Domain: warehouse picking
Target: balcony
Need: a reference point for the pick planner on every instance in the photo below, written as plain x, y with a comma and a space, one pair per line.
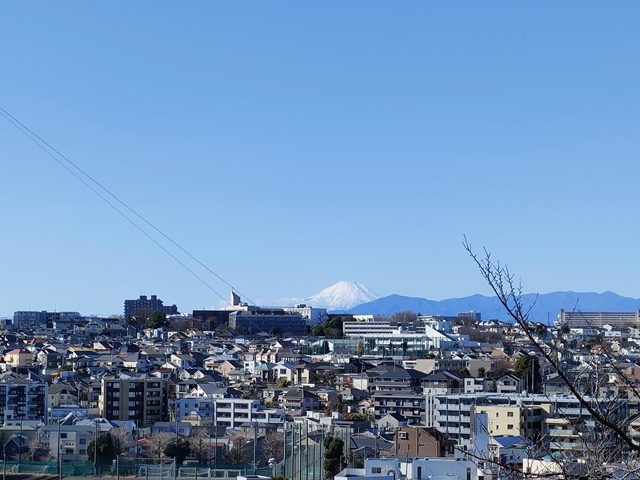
559, 432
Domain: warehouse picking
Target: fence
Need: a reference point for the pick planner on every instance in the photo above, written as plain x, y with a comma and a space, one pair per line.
304, 452
156, 469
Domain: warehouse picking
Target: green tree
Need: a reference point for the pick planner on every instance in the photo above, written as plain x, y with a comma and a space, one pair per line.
106, 450
522, 369
481, 372
276, 331
178, 450
522, 366
371, 344
404, 317
282, 382
330, 328
333, 456
157, 319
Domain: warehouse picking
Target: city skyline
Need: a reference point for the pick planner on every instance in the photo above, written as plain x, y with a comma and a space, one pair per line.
292, 148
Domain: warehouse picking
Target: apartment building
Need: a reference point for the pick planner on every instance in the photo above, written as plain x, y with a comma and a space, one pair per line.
230, 412
22, 398
599, 319
24, 318
453, 413
144, 306
141, 399
397, 391
505, 419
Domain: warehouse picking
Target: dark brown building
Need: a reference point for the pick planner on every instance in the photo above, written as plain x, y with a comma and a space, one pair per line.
419, 441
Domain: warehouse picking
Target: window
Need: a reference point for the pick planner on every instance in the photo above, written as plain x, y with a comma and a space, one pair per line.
509, 427
376, 470
402, 435
509, 414
63, 435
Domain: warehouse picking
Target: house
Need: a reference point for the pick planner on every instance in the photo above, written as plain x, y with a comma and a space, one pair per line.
182, 360
509, 384
554, 385
509, 450
62, 394
72, 436
284, 370
391, 421
227, 366
419, 441
352, 395
444, 381
18, 358
297, 401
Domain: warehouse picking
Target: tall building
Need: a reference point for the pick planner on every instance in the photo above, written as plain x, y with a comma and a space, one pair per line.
145, 306
139, 398
599, 319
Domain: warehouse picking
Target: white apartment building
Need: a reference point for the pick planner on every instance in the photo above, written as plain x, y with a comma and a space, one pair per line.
230, 412
416, 469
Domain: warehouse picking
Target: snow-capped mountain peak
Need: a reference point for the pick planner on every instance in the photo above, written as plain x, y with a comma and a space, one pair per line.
342, 296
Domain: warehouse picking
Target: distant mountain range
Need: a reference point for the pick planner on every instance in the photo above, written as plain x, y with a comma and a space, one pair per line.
547, 305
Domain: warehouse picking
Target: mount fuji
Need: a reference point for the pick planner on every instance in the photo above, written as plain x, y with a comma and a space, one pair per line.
342, 295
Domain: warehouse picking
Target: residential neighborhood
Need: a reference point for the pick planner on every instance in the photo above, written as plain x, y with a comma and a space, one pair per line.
464, 393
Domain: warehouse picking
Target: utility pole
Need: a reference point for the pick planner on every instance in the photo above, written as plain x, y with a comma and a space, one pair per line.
321, 459
20, 448
284, 456
300, 453
306, 451
215, 443
95, 451
293, 451
315, 459
59, 457
175, 458
255, 446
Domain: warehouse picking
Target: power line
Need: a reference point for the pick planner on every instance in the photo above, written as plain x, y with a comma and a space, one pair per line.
50, 150
121, 202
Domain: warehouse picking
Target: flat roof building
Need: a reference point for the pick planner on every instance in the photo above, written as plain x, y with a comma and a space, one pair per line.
599, 319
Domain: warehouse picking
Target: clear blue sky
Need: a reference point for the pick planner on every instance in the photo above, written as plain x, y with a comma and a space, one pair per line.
290, 145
